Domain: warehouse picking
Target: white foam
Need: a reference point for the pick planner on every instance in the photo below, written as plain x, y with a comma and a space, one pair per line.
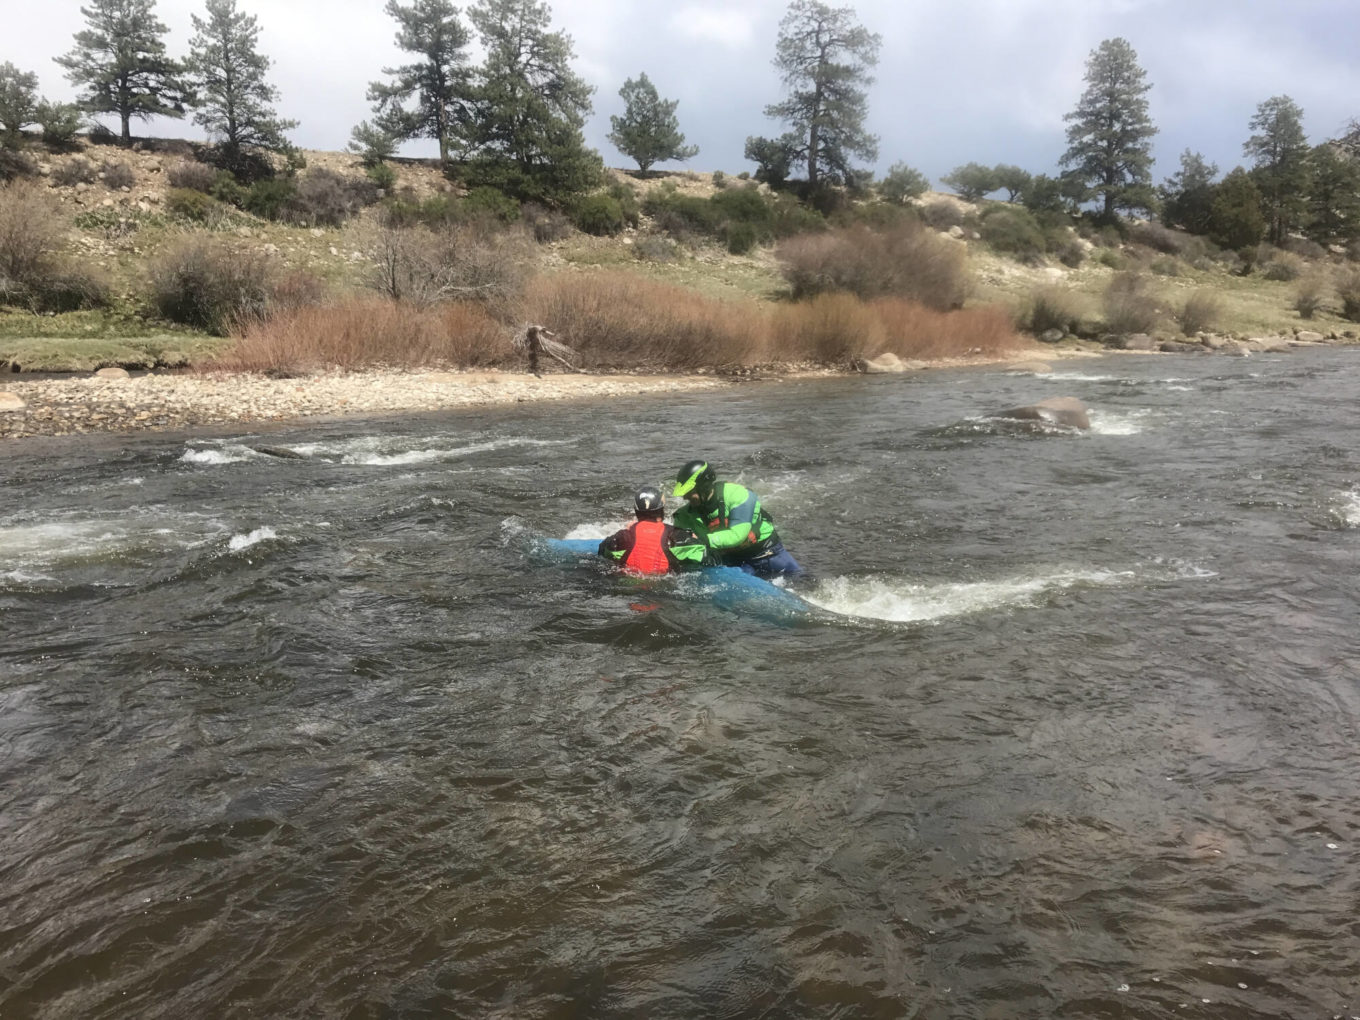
1348, 508
904, 602
1106, 424
377, 451
215, 456
239, 542
55, 542
596, 530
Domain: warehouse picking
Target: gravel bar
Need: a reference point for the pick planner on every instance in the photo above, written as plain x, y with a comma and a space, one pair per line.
120, 403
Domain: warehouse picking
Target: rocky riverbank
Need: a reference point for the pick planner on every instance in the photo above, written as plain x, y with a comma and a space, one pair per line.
113, 401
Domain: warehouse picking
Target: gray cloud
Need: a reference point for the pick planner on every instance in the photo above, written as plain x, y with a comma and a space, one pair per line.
983, 80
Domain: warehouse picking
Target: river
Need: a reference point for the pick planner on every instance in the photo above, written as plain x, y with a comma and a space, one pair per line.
1067, 726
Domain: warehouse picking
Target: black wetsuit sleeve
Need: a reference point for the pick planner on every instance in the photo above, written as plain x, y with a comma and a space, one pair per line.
617, 545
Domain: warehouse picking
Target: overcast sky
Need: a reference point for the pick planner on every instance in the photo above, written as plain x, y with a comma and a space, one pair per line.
958, 80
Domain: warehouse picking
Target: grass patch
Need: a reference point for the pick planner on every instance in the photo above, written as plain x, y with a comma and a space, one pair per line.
85, 354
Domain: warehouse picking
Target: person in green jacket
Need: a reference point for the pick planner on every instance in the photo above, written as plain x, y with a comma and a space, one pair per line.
738, 530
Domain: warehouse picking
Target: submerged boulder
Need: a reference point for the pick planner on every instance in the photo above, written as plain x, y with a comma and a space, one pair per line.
1067, 411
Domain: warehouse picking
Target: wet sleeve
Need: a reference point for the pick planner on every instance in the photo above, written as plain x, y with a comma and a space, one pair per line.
739, 522
687, 550
614, 547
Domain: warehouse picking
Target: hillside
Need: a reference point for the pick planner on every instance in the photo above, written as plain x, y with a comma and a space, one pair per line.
117, 208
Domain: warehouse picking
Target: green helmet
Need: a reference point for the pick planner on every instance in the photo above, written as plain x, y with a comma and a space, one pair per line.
695, 476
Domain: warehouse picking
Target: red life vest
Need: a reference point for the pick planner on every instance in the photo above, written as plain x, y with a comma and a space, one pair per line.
648, 555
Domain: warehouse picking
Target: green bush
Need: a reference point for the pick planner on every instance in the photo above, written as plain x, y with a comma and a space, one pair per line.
1013, 230
193, 205
902, 183
741, 238
719, 179
209, 285
1111, 259
382, 175
225, 188
59, 123
490, 203
1166, 266
268, 197
598, 214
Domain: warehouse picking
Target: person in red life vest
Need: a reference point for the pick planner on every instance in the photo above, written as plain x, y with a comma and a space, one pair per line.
651, 546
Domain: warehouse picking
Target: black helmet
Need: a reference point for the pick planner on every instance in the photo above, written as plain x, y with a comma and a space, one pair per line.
695, 476
649, 502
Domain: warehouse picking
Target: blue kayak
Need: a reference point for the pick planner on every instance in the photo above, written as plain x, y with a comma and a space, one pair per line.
727, 586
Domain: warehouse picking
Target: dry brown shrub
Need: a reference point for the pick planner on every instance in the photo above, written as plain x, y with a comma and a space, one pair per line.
1051, 307
1311, 294
838, 329
831, 329
461, 262
907, 260
1129, 308
211, 284
368, 332
618, 320
1201, 311
30, 234
914, 331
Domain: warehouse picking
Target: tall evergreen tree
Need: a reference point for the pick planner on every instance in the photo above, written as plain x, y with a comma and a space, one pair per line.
18, 101
1188, 194
1333, 212
530, 106
121, 63
1279, 149
648, 131
1236, 220
227, 72
824, 57
1109, 136
440, 81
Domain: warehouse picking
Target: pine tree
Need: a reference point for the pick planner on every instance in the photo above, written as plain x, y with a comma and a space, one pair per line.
648, 131
1333, 211
901, 183
1188, 194
824, 57
1236, 220
227, 73
121, 63
1109, 137
1280, 151
530, 106
440, 82
972, 181
18, 101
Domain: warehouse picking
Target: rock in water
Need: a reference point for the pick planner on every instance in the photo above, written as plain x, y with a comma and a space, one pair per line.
1067, 411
